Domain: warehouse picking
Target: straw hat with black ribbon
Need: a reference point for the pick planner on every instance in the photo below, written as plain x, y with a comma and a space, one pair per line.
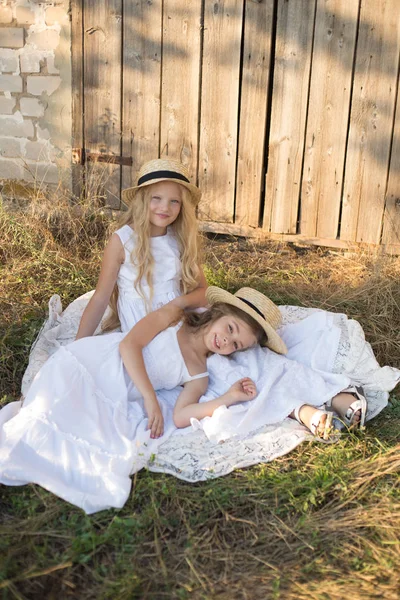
162, 169
258, 306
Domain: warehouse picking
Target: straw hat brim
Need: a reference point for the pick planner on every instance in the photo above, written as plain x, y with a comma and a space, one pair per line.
129, 194
275, 342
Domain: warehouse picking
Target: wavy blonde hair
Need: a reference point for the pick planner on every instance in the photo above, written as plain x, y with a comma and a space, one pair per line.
186, 231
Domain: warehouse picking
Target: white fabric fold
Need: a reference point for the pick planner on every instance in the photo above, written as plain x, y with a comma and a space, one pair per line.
282, 385
327, 351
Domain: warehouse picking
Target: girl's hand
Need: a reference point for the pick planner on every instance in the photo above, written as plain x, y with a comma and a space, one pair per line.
156, 421
242, 391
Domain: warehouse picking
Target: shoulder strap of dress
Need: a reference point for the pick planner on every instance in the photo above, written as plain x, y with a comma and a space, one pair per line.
199, 376
124, 233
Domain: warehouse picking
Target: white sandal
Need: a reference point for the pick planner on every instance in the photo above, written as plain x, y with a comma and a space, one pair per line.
360, 404
328, 437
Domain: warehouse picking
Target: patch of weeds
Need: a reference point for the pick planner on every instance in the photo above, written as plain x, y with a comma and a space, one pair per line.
386, 425
218, 277
15, 346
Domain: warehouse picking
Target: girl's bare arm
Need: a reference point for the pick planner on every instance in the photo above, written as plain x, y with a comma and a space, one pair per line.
196, 298
131, 350
112, 259
187, 400
187, 407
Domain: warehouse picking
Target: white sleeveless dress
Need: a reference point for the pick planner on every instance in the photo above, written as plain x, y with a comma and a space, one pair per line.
166, 276
82, 428
131, 306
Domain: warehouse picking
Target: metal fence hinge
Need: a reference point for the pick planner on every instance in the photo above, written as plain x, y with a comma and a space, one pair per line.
80, 156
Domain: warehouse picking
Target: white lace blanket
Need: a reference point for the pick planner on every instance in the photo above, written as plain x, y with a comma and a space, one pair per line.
328, 343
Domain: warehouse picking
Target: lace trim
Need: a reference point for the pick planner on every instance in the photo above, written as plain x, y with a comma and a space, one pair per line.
194, 458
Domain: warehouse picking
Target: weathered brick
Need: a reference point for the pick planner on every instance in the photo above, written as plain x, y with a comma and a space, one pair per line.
7, 105
44, 40
10, 83
42, 84
12, 37
9, 60
41, 150
25, 16
10, 147
51, 68
5, 14
16, 126
10, 169
31, 107
41, 172
30, 61
56, 14
42, 134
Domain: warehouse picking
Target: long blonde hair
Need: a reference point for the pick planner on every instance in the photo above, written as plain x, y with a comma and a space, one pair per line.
186, 231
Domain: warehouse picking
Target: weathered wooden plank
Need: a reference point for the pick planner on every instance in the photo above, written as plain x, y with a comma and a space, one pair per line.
102, 97
391, 220
77, 91
142, 25
295, 23
258, 22
263, 235
219, 108
371, 121
328, 115
181, 63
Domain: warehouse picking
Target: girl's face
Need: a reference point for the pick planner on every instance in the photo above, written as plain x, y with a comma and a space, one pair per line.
165, 206
228, 334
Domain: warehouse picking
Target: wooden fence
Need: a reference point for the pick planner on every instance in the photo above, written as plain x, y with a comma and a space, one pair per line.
284, 111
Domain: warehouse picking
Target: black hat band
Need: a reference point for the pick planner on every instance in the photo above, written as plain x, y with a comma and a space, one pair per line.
162, 175
252, 306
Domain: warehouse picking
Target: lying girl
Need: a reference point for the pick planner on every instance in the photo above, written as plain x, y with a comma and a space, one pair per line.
77, 431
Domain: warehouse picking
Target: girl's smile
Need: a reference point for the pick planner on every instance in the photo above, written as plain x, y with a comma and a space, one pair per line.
165, 206
228, 334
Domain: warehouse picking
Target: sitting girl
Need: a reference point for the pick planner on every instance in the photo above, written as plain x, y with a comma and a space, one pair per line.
153, 258
77, 430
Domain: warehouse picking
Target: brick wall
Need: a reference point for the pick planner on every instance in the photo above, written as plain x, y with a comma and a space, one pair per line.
35, 91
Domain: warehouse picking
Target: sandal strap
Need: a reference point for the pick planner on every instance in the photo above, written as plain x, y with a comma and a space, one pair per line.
327, 437
296, 413
353, 408
360, 404
316, 419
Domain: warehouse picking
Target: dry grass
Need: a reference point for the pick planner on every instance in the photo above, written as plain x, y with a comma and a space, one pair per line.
322, 523
48, 246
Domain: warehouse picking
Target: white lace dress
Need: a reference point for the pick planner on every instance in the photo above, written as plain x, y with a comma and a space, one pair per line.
81, 430
166, 276
328, 343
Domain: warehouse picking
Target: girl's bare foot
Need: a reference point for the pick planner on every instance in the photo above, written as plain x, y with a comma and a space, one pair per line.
317, 420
